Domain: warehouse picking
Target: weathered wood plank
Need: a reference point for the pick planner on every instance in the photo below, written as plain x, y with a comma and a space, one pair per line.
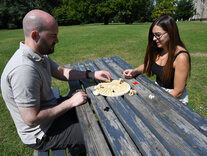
38, 153
69, 66
90, 66
119, 140
185, 129
56, 92
186, 112
103, 66
170, 125
121, 63
144, 139
94, 140
167, 136
192, 136
58, 153
163, 130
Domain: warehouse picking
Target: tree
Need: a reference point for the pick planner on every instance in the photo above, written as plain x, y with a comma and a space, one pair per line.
12, 12
185, 9
71, 12
47, 5
92, 12
147, 13
88, 11
164, 7
133, 10
106, 9
61, 14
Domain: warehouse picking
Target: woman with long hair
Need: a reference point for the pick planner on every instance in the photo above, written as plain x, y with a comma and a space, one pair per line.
166, 57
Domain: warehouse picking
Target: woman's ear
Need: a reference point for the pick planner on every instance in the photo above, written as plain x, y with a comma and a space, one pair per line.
35, 35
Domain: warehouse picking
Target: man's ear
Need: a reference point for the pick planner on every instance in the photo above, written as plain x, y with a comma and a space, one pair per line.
35, 35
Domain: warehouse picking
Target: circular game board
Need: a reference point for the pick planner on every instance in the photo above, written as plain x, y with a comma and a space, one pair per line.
114, 88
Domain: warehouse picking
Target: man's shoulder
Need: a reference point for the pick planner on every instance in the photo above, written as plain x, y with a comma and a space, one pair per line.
18, 60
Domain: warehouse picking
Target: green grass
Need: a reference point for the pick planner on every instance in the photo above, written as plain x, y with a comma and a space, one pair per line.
93, 41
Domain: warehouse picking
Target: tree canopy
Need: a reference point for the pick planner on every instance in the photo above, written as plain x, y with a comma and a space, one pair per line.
71, 12
12, 12
164, 7
184, 10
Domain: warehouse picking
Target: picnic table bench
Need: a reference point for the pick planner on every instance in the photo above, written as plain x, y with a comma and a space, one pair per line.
152, 122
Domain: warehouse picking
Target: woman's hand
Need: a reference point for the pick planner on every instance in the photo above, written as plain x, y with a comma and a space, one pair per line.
129, 73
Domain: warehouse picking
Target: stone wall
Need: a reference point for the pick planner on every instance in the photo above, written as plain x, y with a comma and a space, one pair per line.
201, 9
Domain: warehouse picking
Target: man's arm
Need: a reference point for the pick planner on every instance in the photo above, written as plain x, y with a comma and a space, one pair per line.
67, 74
34, 116
26, 94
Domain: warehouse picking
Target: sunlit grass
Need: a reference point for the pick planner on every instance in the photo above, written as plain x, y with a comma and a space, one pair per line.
89, 42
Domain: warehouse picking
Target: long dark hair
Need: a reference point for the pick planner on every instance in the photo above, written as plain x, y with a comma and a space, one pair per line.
168, 24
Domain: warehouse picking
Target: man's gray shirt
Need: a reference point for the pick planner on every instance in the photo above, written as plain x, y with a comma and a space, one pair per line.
26, 82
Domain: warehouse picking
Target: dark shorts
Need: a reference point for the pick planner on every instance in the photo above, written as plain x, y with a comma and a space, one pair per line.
65, 132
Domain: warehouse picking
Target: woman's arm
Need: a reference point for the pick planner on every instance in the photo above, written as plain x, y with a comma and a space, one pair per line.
130, 73
182, 67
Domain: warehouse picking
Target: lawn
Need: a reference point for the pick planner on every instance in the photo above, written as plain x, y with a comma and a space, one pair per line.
92, 41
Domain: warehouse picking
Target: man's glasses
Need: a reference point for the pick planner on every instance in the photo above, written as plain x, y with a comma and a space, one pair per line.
158, 35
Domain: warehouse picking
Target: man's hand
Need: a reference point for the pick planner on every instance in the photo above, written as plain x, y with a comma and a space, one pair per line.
102, 75
34, 116
78, 99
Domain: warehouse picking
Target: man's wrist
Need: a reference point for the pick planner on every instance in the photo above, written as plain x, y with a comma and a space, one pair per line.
87, 74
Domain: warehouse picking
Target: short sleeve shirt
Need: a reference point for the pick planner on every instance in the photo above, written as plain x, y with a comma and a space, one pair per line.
26, 82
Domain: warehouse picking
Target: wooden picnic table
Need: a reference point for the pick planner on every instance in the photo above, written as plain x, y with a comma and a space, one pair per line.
152, 122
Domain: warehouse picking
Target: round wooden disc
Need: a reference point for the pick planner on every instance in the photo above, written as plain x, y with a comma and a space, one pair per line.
114, 88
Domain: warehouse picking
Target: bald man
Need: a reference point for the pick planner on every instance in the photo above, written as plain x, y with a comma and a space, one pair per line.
42, 122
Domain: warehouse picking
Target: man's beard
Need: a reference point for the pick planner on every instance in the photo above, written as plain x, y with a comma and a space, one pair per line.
46, 49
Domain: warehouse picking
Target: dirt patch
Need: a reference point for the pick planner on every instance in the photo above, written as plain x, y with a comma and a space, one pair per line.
199, 54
